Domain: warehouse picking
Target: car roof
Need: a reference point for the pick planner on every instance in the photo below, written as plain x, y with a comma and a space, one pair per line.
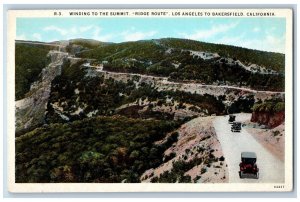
248, 155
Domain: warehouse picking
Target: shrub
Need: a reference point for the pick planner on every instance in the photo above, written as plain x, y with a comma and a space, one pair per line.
203, 170
97, 149
222, 158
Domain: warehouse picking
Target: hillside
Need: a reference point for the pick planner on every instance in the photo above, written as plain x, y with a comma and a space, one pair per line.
187, 60
274, 61
178, 59
30, 60
80, 45
150, 49
102, 149
269, 113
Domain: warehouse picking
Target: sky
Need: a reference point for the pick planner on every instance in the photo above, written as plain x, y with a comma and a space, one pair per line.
266, 34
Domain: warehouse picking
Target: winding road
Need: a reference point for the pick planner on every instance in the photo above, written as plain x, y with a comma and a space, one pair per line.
165, 81
271, 169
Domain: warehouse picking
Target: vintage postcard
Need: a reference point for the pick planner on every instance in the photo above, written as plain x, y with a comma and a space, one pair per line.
150, 100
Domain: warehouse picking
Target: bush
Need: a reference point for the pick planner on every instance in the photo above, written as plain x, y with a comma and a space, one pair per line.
30, 60
222, 158
149, 57
97, 149
271, 106
203, 170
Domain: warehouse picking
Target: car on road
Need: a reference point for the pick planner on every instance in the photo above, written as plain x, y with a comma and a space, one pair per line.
231, 119
236, 127
248, 167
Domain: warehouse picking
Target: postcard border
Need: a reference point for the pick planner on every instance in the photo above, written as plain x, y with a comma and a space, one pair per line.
146, 188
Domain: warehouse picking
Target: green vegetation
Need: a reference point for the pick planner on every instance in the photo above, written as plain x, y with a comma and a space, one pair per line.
193, 68
150, 57
87, 43
102, 149
276, 133
177, 174
79, 45
271, 106
270, 60
180, 167
270, 113
171, 58
242, 104
30, 60
140, 50
154, 50
103, 96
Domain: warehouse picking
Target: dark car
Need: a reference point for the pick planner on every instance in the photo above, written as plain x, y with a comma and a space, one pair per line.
248, 167
236, 127
231, 119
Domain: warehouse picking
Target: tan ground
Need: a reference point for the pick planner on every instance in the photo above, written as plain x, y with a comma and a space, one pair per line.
272, 140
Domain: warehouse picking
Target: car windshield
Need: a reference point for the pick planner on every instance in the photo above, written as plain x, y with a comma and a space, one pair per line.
249, 160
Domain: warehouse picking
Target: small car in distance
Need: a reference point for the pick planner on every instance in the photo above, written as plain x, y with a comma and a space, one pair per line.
248, 167
236, 127
231, 119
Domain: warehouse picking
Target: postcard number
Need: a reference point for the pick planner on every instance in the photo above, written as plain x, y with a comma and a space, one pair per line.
279, 186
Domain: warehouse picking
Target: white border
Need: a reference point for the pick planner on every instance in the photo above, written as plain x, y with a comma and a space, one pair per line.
145, 187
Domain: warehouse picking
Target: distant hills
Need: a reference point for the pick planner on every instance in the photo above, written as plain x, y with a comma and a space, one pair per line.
269, 60
188, 60
179, 59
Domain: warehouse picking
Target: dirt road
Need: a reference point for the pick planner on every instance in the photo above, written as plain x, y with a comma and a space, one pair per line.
165, 81
271, 169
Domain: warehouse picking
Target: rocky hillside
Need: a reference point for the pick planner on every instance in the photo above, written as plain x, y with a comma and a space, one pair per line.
83, 91
30, 60
195, 156
30, 110
186, 60
270, 113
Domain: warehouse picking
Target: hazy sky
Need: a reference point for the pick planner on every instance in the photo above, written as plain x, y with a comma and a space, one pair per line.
256, 33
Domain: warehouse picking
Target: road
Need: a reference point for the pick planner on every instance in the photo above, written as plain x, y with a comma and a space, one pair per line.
271, 169
165, 81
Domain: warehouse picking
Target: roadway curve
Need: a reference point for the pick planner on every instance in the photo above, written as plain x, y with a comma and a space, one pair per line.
271, 169
185, 85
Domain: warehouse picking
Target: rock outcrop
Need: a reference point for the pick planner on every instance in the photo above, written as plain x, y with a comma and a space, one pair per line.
31, 110
270, 119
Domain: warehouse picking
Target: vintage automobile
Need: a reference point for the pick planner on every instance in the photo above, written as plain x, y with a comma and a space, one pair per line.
231, 119
236, 127
248, 167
